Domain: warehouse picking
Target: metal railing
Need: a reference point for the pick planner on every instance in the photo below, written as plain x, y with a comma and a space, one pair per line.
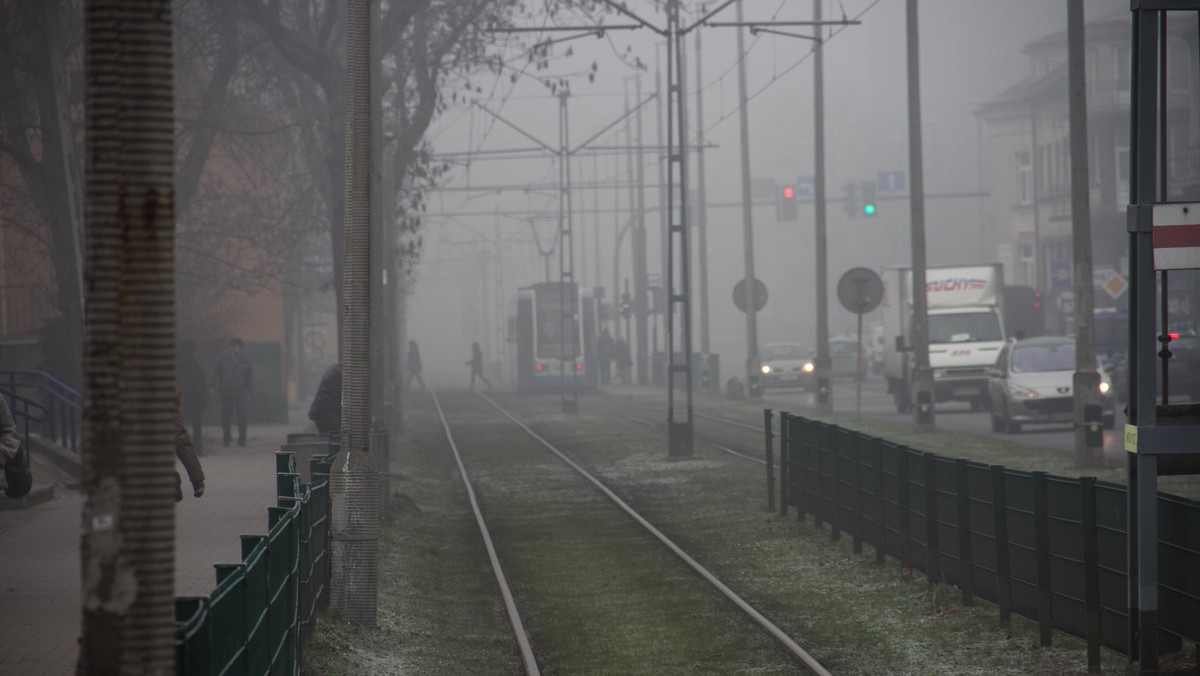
62, 404
1048, 548
24, 411
262, 610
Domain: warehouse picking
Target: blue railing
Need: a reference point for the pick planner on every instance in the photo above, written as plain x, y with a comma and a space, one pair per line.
25, 411
62, 404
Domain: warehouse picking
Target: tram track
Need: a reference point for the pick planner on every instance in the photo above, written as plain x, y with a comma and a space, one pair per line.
748, 610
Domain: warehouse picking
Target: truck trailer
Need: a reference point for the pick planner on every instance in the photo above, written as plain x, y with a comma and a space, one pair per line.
965, 331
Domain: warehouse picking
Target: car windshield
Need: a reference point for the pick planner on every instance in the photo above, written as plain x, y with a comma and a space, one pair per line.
782, 352
964, 328
837, 347
1043, 358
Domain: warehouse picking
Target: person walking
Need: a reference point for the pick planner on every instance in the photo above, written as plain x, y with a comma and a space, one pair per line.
624, 361
476, 364
412, 365
18, 475
604, 356
233, 381
186, 452
194, 385
326, 408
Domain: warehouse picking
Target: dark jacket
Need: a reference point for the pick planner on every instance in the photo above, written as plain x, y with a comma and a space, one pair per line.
326, 408
183, 445
9, 441
232, 375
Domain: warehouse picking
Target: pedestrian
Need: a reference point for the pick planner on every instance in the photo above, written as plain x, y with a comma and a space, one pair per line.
232, 380
194, 385
413, 365
624, 361
476, 364
18, 475
186, 452
326, 408
604, 356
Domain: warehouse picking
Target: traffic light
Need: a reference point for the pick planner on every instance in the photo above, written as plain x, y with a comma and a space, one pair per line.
851, 203
868, 198
785, 203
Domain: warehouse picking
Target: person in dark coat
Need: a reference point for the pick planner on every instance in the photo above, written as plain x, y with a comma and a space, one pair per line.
14, 458
232, 380
476, 364
412, 365
194, 385
326, 408
185, 451
624, 360
604, 356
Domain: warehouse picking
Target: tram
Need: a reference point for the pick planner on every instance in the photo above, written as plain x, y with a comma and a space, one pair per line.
555, 348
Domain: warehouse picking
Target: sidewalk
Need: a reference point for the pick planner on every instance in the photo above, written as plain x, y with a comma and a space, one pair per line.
39, 548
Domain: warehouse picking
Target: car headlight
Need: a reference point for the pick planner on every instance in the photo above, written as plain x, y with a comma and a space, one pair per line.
1022, 392
808, 367
766, 369
1104, 387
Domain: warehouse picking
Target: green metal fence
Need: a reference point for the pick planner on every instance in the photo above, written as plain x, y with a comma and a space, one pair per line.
1048, 548
263, 609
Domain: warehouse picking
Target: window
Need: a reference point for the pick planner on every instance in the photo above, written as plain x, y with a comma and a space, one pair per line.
1024, 179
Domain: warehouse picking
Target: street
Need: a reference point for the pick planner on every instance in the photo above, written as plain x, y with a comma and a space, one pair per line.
955, 416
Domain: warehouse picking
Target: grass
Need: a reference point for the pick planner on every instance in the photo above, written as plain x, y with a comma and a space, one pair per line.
561, 545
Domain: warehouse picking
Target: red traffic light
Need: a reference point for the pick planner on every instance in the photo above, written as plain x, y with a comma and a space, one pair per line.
789, 192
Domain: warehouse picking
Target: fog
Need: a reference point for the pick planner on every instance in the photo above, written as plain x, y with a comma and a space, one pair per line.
480, 245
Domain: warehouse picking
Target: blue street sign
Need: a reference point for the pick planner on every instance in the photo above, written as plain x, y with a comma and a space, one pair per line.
805, 186
891, 181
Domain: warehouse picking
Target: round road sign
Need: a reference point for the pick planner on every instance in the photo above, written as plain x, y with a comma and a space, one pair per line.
860, 290
760, 295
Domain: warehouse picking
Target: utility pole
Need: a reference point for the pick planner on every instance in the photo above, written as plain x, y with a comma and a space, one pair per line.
566, 259
663, 190
752, 376
706, 376
641, 302
922, 375
823, 363
354, 481
1089, 440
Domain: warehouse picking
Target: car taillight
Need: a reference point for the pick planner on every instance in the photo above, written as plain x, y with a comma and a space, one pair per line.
537, 367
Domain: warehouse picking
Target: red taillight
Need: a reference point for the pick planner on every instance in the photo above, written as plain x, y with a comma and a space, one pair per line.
537, 367
1173, 336
578, 366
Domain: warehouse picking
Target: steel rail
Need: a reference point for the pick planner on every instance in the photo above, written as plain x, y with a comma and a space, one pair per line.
778, 634
756, 428
719, 447
510, 605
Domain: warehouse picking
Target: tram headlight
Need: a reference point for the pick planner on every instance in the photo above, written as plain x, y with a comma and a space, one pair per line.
766, 369
808, 367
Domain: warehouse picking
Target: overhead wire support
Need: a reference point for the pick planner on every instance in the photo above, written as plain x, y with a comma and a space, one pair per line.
753, 24
598, 31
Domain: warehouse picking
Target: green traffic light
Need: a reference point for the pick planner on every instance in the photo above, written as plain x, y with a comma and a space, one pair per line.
869, 209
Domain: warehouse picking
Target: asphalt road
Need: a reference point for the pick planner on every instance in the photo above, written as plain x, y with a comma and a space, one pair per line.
957, 416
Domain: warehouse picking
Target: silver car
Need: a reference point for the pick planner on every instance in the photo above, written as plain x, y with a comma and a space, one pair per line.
1033, 383
786, 365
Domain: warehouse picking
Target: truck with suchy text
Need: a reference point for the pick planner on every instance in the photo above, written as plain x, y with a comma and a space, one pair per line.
965, 331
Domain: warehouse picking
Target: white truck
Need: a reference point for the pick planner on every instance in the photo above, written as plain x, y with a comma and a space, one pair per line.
966, 331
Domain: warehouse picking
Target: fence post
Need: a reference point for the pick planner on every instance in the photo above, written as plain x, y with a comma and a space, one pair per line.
966, 563
1000, 528
785, 460
856, 458
932, 573
1042, 544
1091, 570
880, 504
770, 460
902, 498
835, 488
816, 444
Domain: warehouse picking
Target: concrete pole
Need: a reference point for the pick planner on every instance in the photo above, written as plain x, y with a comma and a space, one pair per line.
922, 375
1089, 444
823, 364
702, 225
638, 245
747, 220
